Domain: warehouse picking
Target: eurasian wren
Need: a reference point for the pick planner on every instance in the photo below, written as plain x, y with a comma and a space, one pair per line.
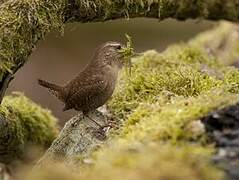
95, 84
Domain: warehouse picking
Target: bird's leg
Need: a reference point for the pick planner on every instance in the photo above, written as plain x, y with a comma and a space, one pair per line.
103, 128
85, 114
101, 131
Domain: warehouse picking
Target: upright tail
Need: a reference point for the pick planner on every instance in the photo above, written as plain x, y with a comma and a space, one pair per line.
53, 88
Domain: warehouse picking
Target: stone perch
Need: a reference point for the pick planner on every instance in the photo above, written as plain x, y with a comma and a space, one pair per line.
78, 137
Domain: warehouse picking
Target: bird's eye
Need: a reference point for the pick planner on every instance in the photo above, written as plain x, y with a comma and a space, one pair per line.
118, 47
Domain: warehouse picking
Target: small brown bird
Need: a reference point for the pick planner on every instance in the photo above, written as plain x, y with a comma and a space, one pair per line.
95, 84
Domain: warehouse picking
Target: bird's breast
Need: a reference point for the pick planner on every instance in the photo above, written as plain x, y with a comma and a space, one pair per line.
106, 88
111, 78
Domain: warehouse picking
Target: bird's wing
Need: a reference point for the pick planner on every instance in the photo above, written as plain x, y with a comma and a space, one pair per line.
84, 89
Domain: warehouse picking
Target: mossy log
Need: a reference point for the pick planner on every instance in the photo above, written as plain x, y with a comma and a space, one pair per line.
24, 124
24, 22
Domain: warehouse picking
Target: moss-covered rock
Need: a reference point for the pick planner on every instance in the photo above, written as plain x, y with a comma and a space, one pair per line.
181, 71
168, 91
23, 124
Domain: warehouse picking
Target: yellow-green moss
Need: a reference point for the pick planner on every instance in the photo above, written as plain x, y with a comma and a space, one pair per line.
181, 70
220, 42
25, 124
156, 161
155, 74
22, 24
169, 122
140, 162
165, 94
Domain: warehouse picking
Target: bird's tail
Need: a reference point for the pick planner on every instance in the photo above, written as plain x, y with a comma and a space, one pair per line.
53, 88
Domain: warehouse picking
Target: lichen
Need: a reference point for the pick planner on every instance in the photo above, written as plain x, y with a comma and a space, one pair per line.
25, 124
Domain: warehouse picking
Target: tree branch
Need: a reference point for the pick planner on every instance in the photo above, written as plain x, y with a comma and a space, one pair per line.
88, 10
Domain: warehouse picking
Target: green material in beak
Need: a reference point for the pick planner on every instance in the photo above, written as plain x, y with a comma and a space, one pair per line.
127, 53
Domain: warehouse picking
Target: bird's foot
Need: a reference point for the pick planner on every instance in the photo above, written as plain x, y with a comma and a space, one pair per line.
99, 133
106, 128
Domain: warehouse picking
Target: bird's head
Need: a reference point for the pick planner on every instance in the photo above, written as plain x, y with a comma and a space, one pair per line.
108, 54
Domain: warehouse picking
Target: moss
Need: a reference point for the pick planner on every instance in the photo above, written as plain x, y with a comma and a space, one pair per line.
169, 122
171, 73
232, 80
163, 84
160, 162
127, 52
22, 24
198, 9
220, 42
159, 103
142, 161
127, 8
25, 124
166, 93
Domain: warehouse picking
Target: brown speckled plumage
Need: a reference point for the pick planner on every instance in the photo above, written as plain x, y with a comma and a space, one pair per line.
95, 84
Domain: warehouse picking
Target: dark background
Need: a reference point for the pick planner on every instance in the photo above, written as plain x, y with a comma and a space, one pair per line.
59, 58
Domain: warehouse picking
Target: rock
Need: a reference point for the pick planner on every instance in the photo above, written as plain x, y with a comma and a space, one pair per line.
223, 128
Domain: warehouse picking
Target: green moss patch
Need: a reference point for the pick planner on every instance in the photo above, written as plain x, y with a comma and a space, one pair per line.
22, 24
140, 162
24, 123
